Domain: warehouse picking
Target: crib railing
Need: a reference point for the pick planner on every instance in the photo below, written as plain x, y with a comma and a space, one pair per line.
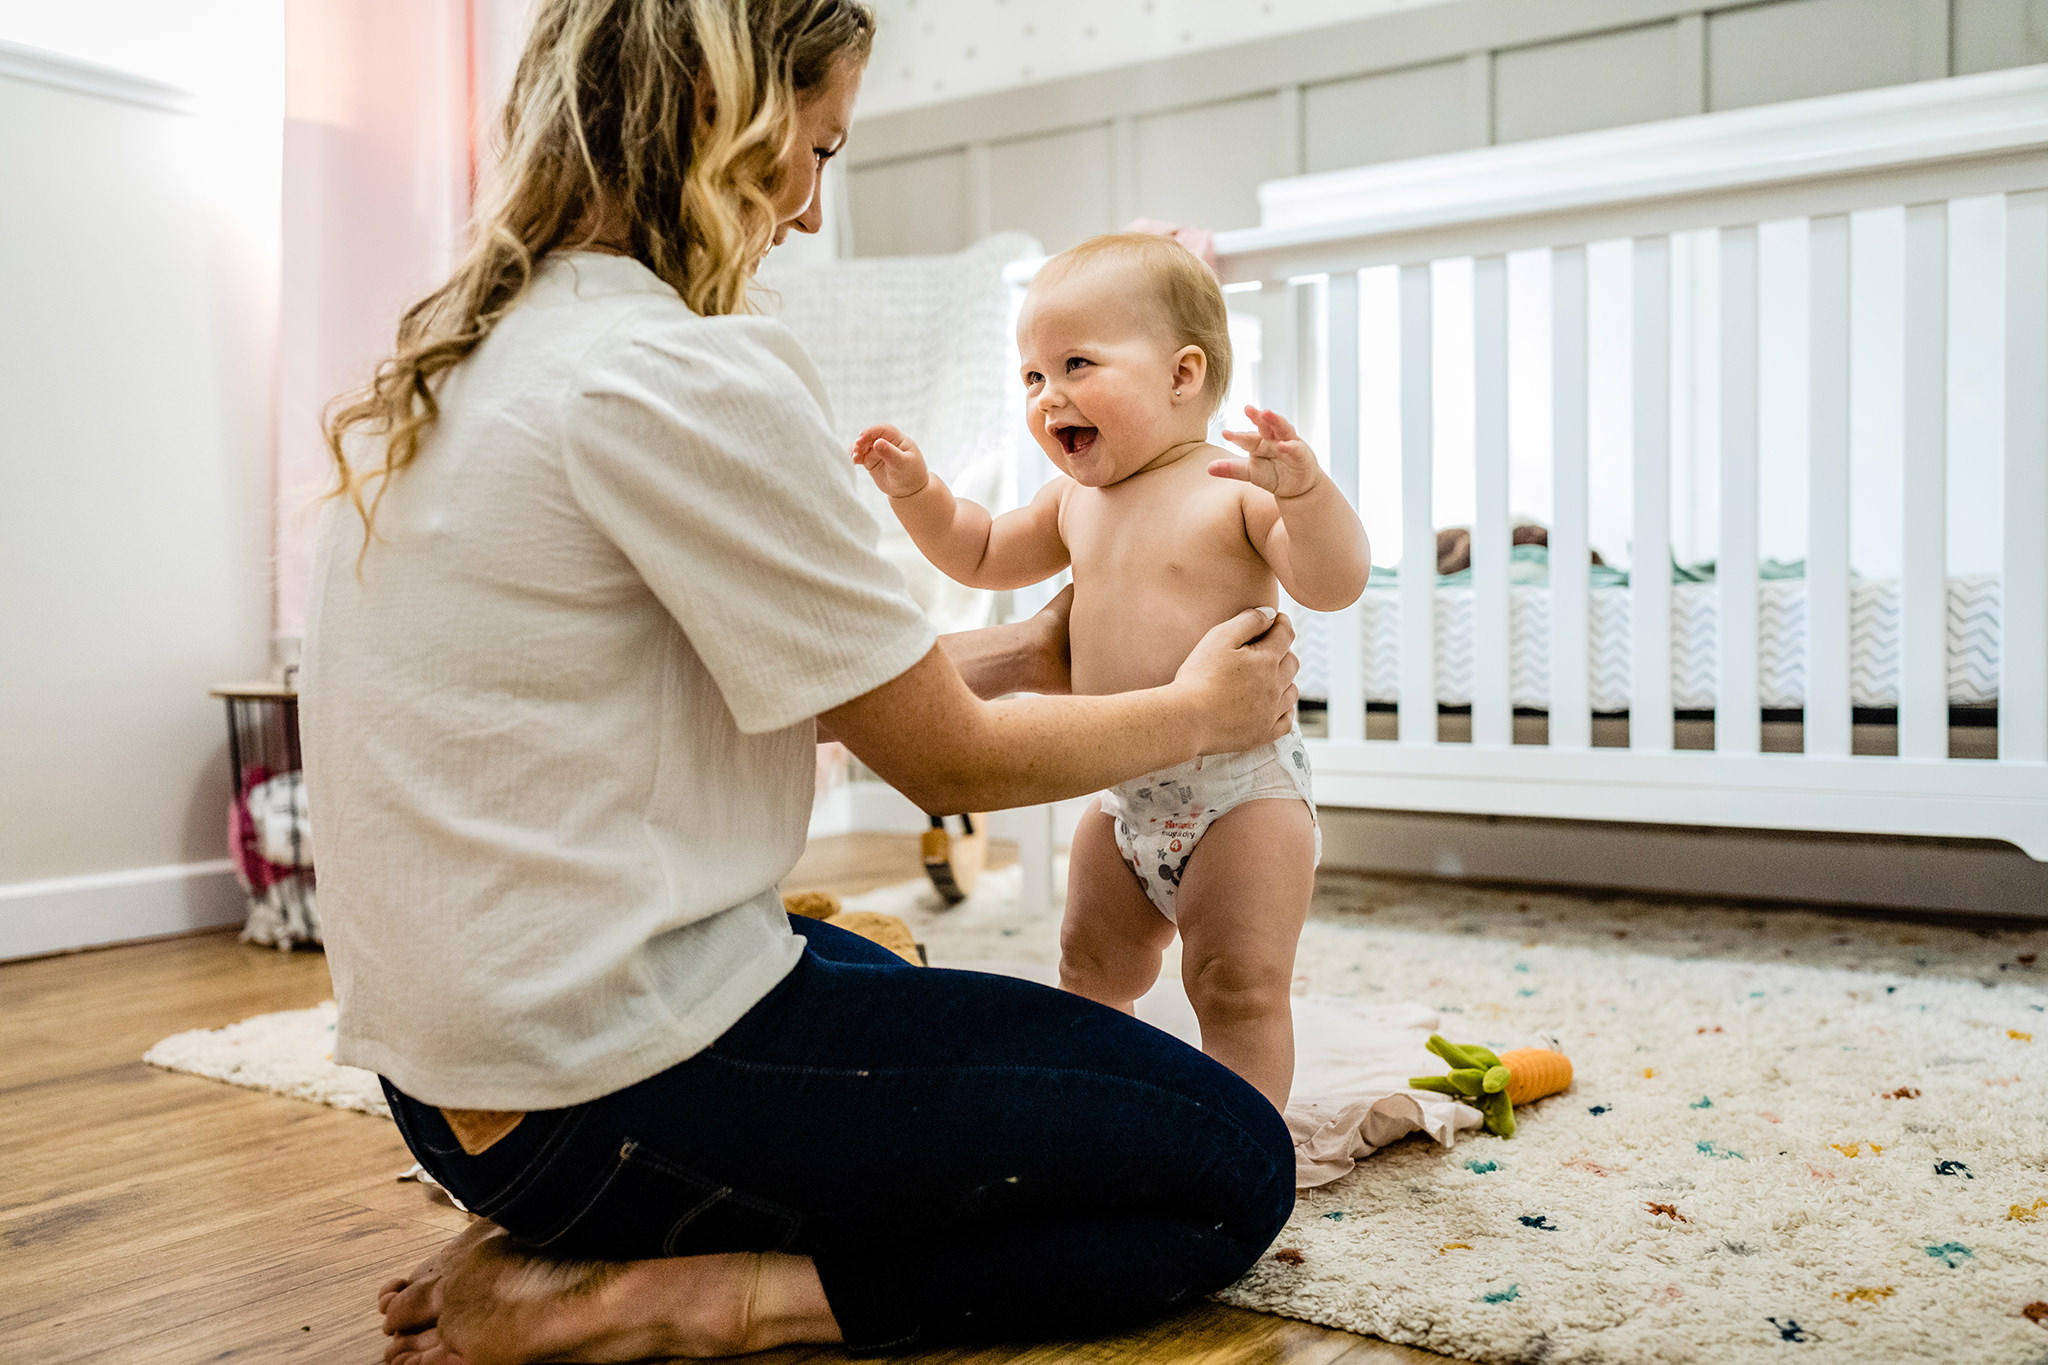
1920, 148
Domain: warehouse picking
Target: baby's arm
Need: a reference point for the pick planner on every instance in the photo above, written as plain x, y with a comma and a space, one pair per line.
968, 546
1306, 531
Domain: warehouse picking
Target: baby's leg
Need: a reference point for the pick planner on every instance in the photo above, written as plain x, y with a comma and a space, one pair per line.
1242, 902
1113, 936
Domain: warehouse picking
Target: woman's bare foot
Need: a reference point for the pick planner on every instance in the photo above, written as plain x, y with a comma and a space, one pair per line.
479, 1301
412, 1305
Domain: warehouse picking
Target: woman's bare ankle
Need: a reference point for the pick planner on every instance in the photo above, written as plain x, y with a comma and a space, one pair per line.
788, 1304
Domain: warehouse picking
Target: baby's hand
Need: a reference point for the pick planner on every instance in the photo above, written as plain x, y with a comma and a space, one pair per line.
1276, 458
893, 459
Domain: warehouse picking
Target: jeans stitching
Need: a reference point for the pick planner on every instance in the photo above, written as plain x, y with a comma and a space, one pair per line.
570, 1223
668, 1240
792, 1219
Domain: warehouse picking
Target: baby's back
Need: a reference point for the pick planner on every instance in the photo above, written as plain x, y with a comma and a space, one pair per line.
1159, 559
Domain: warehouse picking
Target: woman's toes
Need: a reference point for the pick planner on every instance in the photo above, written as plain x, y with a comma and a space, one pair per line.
425, 1348
412, 1309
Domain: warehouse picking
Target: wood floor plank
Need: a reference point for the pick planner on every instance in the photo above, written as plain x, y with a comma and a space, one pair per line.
149, 1217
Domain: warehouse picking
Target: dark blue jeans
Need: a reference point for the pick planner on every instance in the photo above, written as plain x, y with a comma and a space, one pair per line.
966, 1157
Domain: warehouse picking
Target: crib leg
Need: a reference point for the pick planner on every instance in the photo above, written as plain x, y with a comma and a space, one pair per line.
1035, 854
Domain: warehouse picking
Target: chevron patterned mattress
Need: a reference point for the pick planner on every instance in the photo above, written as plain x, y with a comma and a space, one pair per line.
1781, 645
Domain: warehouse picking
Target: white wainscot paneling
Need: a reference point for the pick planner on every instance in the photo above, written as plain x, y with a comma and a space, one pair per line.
1990, 35
1057, 187
1597, 82
1802, 48
912, 207
1205, 165
1387, 116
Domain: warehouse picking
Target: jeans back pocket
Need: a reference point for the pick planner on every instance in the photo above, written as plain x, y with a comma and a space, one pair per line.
650, 1206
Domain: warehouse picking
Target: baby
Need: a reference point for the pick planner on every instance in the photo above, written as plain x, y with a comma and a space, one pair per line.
1126, 355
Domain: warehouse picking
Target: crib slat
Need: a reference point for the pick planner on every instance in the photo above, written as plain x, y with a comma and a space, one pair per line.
1492, 716
1571, 720
1738, 727
1417, 708
1827, 547
1923, 561
1279, 373
1649, 725
1346, 646
2023, 652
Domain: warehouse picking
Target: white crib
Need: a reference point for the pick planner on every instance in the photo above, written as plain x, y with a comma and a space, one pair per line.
1817, 162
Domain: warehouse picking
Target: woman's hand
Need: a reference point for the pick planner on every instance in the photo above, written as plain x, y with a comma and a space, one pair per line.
1276, 458
1240, 681
892, 459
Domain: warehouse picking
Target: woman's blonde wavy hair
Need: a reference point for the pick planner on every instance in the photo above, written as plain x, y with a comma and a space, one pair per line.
670, 119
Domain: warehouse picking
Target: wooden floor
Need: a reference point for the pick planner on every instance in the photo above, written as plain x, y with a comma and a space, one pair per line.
152, 1217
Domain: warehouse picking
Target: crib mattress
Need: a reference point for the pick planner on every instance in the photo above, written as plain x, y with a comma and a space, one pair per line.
1874, 654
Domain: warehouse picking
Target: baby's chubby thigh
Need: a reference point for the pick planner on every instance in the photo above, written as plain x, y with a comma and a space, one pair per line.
1113, 937
1243, 899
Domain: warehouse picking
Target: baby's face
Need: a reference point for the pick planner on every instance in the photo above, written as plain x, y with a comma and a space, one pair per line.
1099, 376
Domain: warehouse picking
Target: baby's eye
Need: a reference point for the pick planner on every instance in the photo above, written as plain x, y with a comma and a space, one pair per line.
1075, 362
1032, 379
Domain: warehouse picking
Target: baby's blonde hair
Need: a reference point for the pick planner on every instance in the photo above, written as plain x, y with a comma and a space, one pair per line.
1185, 289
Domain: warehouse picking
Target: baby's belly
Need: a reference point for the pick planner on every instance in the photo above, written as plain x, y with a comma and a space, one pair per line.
1124, 642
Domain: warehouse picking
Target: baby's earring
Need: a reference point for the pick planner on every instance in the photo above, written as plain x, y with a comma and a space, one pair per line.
1176, 393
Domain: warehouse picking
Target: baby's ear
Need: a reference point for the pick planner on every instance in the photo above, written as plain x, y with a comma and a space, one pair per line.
1190, 371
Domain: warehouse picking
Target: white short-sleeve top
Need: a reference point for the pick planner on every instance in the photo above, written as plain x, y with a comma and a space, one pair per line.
558, 724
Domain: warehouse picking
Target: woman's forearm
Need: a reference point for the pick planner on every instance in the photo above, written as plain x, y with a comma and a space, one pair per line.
1030, 750
928, 736
1018, 656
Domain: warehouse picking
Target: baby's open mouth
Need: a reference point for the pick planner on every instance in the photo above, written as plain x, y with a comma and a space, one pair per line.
1075, 440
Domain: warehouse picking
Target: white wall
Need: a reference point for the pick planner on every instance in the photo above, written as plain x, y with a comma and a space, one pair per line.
376, 195
138, 255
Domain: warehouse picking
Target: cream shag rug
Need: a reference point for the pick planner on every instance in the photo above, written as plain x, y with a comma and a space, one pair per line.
1790, 1132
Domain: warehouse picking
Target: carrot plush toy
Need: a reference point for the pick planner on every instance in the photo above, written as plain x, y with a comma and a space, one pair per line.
1494, 1085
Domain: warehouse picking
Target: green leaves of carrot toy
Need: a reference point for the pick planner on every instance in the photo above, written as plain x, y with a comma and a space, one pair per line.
1477, 1078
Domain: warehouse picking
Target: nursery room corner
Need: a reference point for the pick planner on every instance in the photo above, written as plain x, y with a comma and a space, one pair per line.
1335, 680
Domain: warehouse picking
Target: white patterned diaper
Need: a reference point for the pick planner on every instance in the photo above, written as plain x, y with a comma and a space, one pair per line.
1159, 818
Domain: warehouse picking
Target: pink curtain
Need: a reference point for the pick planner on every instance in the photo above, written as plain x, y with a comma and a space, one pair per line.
389, 107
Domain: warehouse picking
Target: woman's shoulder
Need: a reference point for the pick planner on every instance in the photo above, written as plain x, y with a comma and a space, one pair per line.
627, 311
734, 366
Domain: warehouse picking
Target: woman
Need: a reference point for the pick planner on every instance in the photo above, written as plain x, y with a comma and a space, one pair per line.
597, 584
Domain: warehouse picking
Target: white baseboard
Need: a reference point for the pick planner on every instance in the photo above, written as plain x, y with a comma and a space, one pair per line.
1850, 870
63, 913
